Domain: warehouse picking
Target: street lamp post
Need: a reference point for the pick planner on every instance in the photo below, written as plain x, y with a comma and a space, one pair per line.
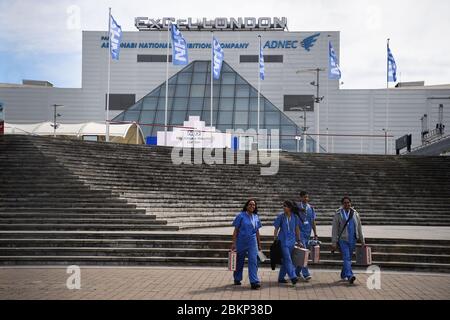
385, 140
317, 100
56, 115
304, 128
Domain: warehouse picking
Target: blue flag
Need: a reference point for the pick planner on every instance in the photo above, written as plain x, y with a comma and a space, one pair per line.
179, 47
115, 37
217, 57
261, 62
334, 73
392, 67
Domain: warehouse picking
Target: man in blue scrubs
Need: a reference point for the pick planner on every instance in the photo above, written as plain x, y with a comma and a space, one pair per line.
246, 241
287, 231
345, 234
307, 224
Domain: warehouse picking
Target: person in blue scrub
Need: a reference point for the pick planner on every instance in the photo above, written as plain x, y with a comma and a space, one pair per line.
307, 224
287, 231
247, 242
345, 235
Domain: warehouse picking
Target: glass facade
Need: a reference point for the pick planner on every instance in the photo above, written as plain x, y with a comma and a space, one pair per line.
235, 105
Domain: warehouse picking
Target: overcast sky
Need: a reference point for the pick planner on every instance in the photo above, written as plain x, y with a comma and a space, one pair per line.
42, 39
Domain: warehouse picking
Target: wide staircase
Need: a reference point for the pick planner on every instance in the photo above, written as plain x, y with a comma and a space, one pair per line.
66, 201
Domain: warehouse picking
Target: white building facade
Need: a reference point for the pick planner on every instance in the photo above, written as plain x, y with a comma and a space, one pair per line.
351, 117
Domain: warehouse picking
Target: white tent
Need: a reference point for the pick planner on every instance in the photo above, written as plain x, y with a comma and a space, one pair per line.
122, 133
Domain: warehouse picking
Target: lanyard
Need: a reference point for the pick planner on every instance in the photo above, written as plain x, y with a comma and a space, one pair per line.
253, 220
305, 208
288, 220
345, 214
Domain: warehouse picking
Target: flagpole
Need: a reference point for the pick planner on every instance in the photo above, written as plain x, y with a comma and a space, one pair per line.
387, 97
327, 115
167, 82
328, 77
259, 90
212, 76
109, 77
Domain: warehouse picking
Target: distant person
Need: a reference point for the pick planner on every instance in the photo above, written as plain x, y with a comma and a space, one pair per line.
247, 242
307, 224
287, 230
346, 231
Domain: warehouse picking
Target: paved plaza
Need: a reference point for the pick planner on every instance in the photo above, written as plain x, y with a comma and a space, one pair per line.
209, 283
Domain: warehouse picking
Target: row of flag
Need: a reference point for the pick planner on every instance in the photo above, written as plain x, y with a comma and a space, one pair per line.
180, 54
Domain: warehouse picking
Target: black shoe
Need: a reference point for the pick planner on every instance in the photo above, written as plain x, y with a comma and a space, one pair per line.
255, 286
237, 283
294, 281
282, 281
352, 279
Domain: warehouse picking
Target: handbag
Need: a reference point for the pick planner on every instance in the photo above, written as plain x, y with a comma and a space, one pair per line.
232, 258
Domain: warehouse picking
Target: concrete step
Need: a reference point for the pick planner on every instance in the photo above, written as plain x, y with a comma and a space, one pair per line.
86, 227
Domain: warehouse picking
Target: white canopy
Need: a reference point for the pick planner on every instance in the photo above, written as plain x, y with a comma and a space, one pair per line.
120, 131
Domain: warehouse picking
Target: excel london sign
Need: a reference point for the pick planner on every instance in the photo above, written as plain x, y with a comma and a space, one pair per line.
247, 23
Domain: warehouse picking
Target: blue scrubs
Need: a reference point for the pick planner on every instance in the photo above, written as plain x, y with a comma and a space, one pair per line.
306, 223
286, 236
247, 244
347, 247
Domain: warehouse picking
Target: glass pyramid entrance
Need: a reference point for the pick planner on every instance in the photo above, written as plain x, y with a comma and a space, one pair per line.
235, 105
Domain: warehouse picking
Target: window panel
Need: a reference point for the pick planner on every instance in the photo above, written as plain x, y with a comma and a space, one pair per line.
171, 90
199, 78
180, 103
160, 119
253, 119
150, 103
131, 116
197, 90
254, 105
216, 89
242, 91
178, 117
226, 104
184, 78
206, 116
272, 118
162, 103
207, 103
225, 117
228, 78
182, 90
241, 117
242, 104
195, 103
227, 91
147, 117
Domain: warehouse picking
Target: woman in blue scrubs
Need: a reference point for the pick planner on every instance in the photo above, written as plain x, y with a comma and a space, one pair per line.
247, 242
287, 230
